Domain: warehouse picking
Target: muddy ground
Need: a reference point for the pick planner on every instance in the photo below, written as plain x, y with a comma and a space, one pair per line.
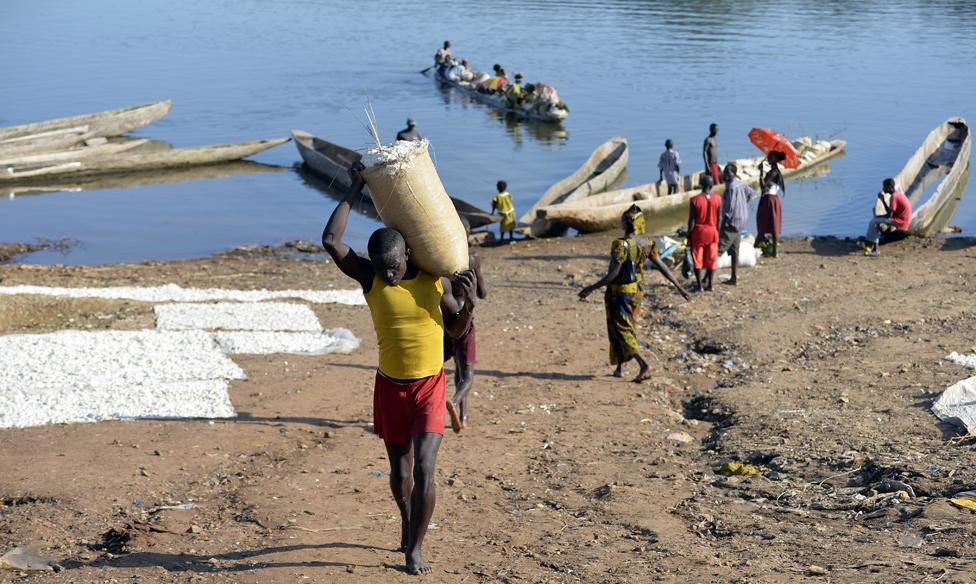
819, 368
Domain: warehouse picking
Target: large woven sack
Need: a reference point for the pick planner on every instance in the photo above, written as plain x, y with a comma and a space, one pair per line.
410, 198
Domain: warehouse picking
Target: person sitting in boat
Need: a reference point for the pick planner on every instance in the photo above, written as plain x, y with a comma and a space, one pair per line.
542, 98
410, 133
514, 93
495, 83
458, 71
892, 217
443, 54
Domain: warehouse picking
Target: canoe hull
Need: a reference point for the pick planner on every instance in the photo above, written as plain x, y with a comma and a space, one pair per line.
601, 169
945, 152
66, 132
139, 161
501, 104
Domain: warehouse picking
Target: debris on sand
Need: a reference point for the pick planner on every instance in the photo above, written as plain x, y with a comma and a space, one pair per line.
957, 405
25, 559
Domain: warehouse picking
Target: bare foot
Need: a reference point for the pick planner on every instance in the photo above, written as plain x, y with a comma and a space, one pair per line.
456, 423
416, 564
731, 282
644, 375
618, 372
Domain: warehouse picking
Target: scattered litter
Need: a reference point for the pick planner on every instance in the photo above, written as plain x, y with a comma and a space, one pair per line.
964, 360
740, 469
815, 570
181, 506
378, 473
957, 405
25, 559
337, 340
966, 502
682, 437
910, 541
269, 316
174, 293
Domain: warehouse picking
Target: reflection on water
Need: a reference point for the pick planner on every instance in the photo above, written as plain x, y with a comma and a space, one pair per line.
880, 75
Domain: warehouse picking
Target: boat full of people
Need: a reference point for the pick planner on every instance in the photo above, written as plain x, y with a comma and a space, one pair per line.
532, 101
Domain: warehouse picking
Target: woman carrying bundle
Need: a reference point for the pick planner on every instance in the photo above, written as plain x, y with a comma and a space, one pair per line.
769, 216
624, 281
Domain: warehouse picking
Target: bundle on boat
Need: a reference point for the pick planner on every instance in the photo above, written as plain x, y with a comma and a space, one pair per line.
409, 197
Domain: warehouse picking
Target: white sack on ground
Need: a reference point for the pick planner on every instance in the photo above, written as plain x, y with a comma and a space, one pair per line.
118, 359
208, 398
964, 360
337, 340
957, 405
409, 197
748, 256
236, 316
174, 293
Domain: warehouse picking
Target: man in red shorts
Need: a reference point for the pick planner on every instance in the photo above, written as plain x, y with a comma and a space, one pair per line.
463, 349
411, 310
703, 230
710, 154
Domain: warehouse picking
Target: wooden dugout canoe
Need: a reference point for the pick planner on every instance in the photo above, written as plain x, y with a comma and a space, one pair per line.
941, 161
500, 103
602, 212
139, 159
66, 132
331, 163
603, 166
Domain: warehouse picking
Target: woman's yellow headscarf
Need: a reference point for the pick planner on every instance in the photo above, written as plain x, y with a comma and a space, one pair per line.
635, 218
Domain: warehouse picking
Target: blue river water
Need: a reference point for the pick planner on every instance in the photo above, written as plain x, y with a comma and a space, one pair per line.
879, 74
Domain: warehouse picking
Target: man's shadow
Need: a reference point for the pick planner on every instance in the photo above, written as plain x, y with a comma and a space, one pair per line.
249, 418
206, 563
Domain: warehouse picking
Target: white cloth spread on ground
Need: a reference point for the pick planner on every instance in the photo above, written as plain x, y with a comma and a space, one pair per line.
174, 293
87, 376
957, 405
184, 372
265, 316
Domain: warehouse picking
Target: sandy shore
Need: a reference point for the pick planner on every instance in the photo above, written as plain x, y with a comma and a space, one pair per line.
820, 367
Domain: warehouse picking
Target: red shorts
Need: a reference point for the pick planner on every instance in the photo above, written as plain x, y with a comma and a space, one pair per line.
401, 410
716, 173
705, 256
462, 349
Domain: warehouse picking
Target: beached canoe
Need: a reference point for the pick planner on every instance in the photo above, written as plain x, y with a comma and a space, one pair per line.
331, 162
103, 148
498, 102
602, 212
67, 132
128, 180
148, 157
604, 165
936, 175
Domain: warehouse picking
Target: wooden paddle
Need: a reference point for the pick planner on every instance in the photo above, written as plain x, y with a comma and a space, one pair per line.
424, 72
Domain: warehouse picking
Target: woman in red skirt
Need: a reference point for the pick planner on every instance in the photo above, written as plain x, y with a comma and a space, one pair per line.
703, 231
769, 216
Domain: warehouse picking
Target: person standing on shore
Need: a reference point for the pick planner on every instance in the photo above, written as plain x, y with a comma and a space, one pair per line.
735, 213
703, 215
502, 202
669, 165
463, 349
410, 133
769, 215
897, 217
410, 310
624, 280
710, 153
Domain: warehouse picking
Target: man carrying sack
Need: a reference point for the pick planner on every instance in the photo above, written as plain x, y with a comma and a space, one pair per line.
411, 310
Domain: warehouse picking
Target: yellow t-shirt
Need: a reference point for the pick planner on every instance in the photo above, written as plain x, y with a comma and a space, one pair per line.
503, 203
409, 326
